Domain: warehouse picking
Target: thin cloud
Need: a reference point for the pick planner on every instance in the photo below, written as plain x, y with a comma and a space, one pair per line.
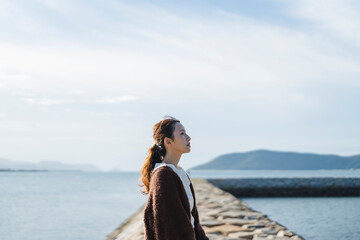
3, 115
337, 18
109, 114
46, 101
77, 92
23, 94
279, 83
117, 99
30, 99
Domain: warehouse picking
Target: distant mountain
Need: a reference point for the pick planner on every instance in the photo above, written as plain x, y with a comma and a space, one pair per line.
45, 165
271, 160
116, 169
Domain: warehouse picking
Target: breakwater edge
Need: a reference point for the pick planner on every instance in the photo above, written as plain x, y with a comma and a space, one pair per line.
222, 215
290, 186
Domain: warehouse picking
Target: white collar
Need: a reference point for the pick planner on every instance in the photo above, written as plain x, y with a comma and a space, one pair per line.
178, 168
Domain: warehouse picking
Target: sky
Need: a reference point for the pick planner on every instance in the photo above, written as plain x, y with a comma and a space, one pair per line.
85, 81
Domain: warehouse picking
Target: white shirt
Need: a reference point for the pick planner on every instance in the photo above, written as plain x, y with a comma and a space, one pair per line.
186, 182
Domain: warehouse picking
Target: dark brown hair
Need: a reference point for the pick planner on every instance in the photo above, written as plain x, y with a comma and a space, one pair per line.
162, 129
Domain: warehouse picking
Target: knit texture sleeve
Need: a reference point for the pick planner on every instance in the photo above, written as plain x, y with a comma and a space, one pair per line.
166, 214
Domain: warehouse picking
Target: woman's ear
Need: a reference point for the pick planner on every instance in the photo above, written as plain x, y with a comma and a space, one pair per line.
167, 141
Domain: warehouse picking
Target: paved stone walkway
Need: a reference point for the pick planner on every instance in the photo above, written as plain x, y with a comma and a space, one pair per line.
223, 217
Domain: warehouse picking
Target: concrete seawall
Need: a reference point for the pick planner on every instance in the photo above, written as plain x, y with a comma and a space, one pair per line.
222, 215
289, 187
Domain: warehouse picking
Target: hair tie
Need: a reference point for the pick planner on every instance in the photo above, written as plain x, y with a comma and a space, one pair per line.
160, 147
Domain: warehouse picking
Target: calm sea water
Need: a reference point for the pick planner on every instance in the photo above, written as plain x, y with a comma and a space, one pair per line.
314, 218
65, 205
83, 205
329, 218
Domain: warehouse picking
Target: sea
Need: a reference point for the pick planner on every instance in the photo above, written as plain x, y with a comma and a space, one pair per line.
75, 205
313, 218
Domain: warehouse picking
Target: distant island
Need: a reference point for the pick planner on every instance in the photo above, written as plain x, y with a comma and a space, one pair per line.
14, 166
21, 170
276, 160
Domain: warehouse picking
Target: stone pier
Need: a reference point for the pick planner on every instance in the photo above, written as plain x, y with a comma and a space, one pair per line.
222, 215
289, 186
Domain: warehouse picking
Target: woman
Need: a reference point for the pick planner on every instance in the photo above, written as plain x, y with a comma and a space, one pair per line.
170, 212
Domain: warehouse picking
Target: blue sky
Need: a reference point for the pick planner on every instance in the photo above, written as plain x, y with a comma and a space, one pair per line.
85, 81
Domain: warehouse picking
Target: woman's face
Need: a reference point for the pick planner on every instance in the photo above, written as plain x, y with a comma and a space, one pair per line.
181, 142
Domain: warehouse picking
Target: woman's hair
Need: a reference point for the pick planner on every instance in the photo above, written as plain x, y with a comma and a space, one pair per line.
162, 129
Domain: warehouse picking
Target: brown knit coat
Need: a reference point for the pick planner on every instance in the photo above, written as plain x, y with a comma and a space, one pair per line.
166, 213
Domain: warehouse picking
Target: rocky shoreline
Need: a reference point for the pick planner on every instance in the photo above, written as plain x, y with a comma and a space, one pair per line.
222, 215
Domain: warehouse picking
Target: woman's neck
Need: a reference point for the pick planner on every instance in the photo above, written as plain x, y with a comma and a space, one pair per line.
172, 158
